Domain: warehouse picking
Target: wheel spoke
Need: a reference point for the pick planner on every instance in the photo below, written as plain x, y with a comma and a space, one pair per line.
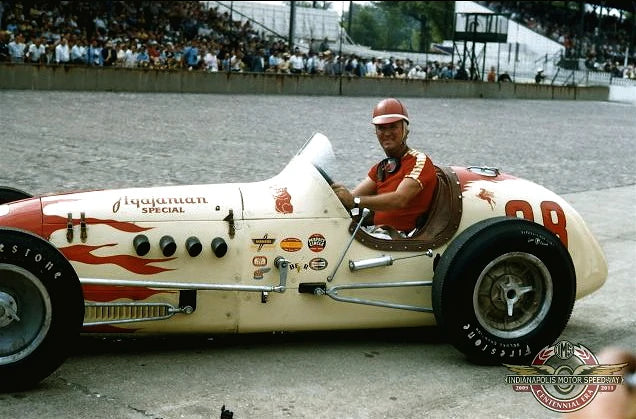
510, 303
523, 290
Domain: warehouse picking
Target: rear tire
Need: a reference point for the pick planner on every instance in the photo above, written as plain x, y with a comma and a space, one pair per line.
503, 290
8, 194
41, 309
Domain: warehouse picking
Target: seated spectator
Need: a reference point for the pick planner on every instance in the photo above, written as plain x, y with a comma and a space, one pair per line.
504, 77
417, 73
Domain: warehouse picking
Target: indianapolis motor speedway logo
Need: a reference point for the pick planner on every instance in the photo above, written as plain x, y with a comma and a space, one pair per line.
565, 377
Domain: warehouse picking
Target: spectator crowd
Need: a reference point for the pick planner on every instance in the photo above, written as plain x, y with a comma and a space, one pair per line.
171, 35
601, 40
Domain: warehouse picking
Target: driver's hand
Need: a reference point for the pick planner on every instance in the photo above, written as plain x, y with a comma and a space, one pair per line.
343, 194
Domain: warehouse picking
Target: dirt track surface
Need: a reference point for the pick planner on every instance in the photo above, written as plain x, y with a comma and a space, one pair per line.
57, 141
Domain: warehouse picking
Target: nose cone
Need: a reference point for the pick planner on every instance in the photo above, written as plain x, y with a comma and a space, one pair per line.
592, 272
24, 215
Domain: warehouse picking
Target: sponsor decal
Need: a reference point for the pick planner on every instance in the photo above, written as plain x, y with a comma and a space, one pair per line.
291, 244
316, 242
468, 177
318, 264
263, 242
565, 377
259, 261
488, 197
283, 203
259, 273
159, 205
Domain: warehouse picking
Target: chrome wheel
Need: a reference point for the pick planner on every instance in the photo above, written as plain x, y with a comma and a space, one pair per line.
513, 295
25, 313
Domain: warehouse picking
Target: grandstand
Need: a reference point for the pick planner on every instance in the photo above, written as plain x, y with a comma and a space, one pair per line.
531, 49
273, 20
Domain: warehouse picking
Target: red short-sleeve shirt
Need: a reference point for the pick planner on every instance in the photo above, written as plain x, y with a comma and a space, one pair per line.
418, 166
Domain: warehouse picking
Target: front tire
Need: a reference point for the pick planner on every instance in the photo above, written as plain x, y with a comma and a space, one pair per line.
503, 290
41, 309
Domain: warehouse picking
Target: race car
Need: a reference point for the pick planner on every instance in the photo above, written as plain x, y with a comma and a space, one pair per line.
496, 265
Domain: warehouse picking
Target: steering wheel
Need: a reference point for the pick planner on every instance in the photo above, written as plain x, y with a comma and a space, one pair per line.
324, 175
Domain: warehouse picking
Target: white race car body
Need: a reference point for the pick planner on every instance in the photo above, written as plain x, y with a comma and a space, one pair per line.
279, 255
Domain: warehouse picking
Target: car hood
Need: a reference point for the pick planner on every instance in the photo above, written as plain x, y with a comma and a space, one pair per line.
299, 191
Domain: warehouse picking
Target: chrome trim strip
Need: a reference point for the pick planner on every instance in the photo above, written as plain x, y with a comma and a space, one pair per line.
170, 311
176, 285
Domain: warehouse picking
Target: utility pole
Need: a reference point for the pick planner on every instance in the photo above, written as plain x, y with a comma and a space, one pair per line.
350, 17
292, 21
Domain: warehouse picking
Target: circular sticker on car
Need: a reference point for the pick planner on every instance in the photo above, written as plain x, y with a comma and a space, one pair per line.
316, 242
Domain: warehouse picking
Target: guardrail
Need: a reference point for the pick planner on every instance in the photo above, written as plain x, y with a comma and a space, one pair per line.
54, 77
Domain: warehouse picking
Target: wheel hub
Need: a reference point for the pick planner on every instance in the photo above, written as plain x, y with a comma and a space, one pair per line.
513, 294
8, 310
22, 292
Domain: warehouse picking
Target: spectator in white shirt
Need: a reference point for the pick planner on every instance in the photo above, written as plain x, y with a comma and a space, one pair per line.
296, 63
62, 52
36, 52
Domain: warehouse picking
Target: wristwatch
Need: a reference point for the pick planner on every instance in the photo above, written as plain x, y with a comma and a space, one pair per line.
355, 211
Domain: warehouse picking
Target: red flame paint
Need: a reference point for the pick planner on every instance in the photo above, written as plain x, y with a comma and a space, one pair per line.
82, 253
466, 177
107, 328
119, 225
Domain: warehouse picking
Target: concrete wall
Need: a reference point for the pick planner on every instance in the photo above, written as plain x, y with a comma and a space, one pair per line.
625, 94
34, 77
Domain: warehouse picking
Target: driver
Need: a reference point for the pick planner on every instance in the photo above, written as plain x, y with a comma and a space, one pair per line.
399, 189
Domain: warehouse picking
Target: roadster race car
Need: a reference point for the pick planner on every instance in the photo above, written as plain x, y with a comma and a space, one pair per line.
497, 264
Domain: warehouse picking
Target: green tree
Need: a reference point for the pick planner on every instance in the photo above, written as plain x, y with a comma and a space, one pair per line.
411, 25
435, 18
366, 28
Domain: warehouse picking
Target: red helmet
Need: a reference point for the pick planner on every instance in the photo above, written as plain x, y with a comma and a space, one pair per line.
389, 110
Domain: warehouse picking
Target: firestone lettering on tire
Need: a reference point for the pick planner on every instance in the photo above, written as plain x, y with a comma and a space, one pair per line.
28, 254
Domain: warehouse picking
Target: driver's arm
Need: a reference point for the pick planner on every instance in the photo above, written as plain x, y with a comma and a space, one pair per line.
366, 187
400, 198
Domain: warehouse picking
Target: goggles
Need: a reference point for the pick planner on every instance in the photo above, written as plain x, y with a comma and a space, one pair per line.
386, 167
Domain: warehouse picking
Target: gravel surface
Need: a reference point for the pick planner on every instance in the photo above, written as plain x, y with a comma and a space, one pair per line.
55, 141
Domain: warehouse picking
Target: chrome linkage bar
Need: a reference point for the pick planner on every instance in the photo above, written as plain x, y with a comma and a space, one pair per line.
279, 262
333, 293
365, 213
